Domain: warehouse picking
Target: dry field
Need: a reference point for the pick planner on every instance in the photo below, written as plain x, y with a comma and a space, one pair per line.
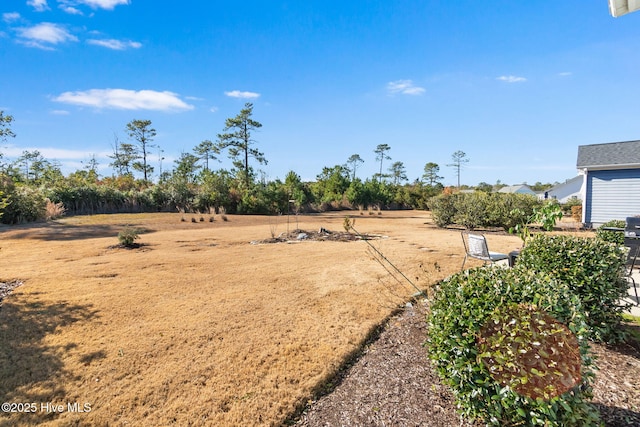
198, 326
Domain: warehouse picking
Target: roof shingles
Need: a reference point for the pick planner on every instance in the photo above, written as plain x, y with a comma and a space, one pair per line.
613, 154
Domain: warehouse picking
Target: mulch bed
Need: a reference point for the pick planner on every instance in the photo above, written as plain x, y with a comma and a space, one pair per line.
393, 383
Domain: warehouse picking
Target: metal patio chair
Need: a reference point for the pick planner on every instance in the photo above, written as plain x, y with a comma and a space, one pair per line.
475, 246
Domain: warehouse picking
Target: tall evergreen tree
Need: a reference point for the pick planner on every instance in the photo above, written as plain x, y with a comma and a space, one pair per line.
381, 155
239, 142
206, 150
353, 163
431, 171
142, 132
459, 160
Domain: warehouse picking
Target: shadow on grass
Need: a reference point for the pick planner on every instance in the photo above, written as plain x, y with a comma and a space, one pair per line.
57, 231
31, 370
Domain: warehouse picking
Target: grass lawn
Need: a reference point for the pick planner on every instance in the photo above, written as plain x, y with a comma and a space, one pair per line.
197, 325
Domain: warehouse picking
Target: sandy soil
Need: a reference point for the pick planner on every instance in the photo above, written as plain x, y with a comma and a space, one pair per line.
198, 326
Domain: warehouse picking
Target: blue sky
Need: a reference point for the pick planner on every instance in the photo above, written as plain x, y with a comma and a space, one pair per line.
515, 85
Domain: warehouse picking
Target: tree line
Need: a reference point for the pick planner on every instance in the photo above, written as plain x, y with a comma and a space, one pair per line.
31, 182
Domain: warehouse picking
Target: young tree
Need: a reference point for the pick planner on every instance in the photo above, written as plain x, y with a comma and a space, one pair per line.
430, 175
353, 162
32, 163
398, 172
484, 187
187, 167
459, 159
332, 182
239, 142
295, 189
5, 129
381, 155
124, 155
142, 132
206, 150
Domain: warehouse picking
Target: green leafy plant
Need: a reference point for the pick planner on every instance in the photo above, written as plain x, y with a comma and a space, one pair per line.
128, 236
481, 322
611, 236
546, 215
592, 269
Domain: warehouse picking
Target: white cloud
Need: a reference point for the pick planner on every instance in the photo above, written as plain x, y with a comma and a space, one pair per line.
71, 10
512, 79
44, 35
60, 112
242, 95
123, 99
404, 87
213, 109
38, 5
115, 44
94, 4
565, 74
10, 17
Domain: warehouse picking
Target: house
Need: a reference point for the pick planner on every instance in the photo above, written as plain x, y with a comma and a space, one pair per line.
610, 181
517, 189
570, 189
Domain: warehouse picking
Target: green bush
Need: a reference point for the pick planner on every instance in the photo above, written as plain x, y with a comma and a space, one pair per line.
442, 209
4, 202
24, 204
592, 269
128, 236
510, 210
480, 209
611, 236
471, 210
468, 303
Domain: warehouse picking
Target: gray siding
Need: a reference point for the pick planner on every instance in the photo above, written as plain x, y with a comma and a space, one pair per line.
612, 194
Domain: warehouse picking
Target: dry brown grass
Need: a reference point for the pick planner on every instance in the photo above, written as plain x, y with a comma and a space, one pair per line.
197, 326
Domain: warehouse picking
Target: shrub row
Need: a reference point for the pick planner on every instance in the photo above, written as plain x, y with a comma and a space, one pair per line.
480, 209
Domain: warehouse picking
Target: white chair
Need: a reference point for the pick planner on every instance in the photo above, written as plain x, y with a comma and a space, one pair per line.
475, 246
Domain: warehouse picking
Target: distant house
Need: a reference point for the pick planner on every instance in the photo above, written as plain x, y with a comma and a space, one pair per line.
517, 189
570, 189
611, 181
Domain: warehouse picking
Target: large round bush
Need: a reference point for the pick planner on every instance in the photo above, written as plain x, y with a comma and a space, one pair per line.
467, 304
593, 269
